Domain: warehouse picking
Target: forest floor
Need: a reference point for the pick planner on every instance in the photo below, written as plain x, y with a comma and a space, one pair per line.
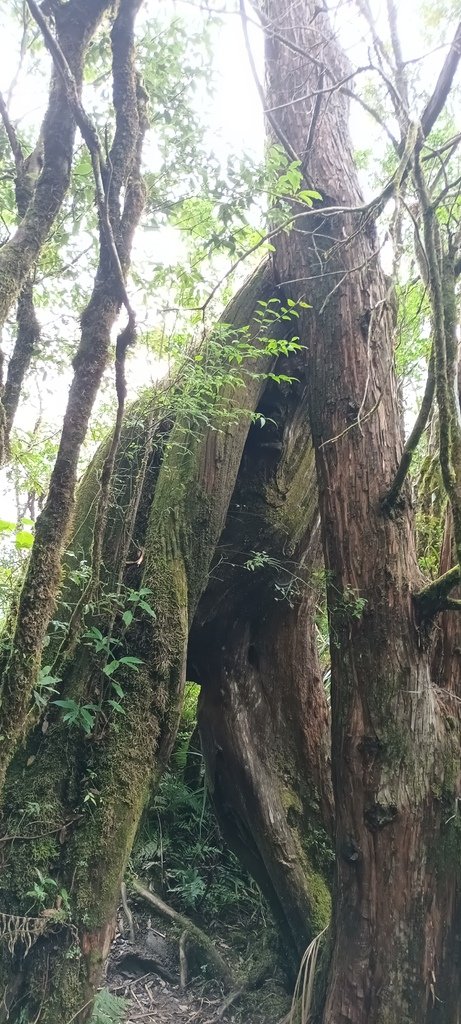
143, 983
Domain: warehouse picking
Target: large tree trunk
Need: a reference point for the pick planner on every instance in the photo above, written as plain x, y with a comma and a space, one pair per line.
395, 743
72, 803
262, 708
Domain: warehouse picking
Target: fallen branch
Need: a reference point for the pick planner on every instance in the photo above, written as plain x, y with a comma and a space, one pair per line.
194, 933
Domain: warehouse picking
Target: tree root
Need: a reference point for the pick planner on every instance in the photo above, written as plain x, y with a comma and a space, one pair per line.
194, 934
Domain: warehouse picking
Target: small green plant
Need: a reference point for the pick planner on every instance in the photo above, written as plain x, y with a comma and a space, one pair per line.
108, 1009
45, 686
75, 714
45, 890
351, 604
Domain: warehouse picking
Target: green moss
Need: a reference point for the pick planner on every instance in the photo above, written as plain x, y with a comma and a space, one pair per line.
320, 901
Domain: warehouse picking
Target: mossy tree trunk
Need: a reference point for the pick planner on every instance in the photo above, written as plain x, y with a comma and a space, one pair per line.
395, 738
73, 802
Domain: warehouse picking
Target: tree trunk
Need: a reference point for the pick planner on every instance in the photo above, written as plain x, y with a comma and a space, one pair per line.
84, 795
262, 709
395, 743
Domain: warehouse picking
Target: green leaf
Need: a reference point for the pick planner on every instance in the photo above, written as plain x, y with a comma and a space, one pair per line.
127, 617
24, 540
6, 526
117, 707
112, 667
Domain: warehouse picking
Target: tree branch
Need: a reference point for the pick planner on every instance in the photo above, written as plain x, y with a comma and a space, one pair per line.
435, 597
444, 82
90, 137
413, 440
11, 133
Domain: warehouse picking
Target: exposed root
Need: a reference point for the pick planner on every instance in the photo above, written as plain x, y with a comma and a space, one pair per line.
127, 912
183, 961
195, 934
14, 929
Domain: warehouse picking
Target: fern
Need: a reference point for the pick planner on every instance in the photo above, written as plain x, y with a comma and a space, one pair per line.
108, 1009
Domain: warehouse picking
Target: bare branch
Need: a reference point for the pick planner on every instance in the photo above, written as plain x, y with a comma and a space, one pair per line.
278, 131
90, 136
413, 440
444, 82
11, 133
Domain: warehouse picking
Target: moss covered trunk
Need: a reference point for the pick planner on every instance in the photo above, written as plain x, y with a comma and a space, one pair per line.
263, 717
74, 795
395, 738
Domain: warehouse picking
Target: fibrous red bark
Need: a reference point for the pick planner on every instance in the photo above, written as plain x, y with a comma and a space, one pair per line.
395, 743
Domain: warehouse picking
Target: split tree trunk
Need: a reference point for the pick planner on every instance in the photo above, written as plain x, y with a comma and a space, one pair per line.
395, 742
72, 804
262, 710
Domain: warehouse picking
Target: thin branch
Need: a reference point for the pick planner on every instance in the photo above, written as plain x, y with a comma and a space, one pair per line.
278, 131
90, 137
11, 133
443, 85
413, 440
374, 114
400, 76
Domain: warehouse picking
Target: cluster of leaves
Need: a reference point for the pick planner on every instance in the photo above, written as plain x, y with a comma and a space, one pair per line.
108, 651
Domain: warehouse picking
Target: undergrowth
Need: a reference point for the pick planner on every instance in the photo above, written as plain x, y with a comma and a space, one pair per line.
179, 846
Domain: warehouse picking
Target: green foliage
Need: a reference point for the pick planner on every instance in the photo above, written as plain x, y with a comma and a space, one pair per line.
45, 890
45, 686
180, 846
108, 1009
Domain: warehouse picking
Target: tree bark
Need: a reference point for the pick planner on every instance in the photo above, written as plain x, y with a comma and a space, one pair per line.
76, 23
395, 742
262, 709
21, 652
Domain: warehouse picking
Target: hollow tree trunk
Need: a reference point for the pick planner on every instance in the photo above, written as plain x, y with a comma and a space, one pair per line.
262, 709
395, 743
72, 804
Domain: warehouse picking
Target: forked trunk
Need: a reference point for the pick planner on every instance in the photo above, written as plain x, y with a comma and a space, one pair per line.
73, 803
262, 710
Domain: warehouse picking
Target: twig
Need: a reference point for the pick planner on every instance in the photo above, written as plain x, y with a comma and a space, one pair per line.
127, 912
183, 961
11, 133
276, 128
